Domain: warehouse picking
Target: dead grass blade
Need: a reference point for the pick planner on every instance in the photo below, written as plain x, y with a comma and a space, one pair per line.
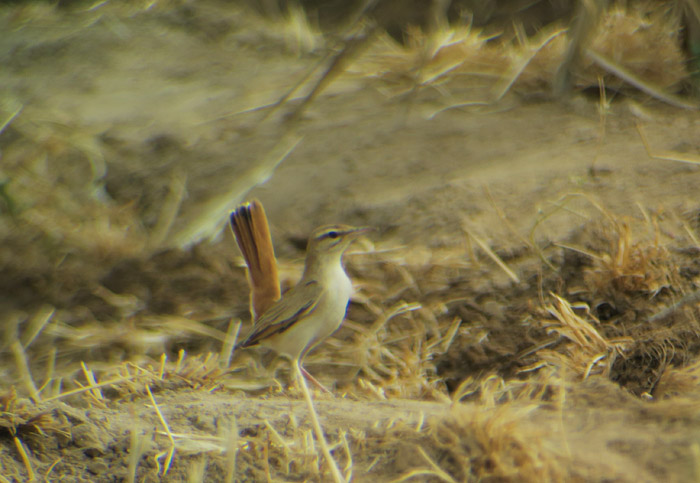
90, 377
171, 451
25, 458
434, 470
665, 155
492, 255
139, 445
22, 365
633, 79
89, 387
37, 323
531, 49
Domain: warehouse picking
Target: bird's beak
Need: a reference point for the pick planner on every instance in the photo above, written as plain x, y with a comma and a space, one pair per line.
360, 230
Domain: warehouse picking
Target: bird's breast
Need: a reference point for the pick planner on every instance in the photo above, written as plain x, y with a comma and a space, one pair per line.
340, 286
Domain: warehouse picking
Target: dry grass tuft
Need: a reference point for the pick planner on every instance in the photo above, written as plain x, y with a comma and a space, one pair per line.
492, 444
627, 36
25, 423
429, 60
586, 352
636, 46
629, 266
677, 381
20, 417
470, 443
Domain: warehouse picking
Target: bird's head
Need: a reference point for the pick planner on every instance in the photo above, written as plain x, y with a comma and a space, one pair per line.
333, 239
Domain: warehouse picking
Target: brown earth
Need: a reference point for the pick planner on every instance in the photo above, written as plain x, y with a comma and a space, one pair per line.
132, 131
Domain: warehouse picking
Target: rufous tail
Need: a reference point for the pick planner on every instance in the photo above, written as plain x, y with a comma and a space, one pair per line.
249, 225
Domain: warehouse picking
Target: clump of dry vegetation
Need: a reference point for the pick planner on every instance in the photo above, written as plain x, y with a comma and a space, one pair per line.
432, 59
614, 51
625, 35
586, 352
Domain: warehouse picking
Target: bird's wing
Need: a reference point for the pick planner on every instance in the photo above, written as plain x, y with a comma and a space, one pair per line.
296, 304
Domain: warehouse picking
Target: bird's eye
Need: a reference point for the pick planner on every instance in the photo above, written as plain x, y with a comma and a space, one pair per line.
332, 234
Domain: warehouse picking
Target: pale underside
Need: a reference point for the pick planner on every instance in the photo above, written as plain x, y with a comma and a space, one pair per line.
305, 316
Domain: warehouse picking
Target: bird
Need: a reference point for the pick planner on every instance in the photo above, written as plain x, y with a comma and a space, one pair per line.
314, 308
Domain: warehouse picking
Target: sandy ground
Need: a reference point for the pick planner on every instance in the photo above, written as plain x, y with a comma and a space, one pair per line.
132, 109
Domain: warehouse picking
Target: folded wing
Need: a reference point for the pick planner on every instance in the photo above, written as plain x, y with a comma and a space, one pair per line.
296, 304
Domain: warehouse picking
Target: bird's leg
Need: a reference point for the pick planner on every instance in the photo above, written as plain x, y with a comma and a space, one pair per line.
311, 378
306, 373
